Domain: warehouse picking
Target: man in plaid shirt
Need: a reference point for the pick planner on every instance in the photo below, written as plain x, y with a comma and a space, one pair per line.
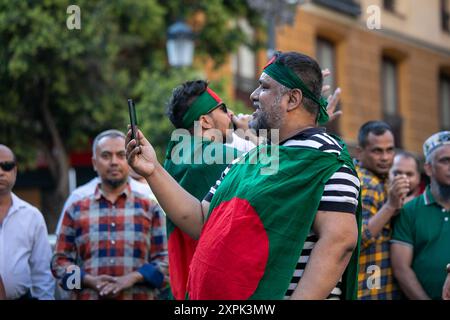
381, 200
117, 237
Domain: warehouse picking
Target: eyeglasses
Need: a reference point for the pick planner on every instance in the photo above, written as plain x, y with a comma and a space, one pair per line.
7, 165
222, 107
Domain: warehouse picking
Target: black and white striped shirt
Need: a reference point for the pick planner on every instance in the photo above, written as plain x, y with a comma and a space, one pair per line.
340, 194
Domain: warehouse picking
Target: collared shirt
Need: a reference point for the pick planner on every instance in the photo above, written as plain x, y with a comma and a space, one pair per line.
88, 189
424, 225
114, 239
375, 278
25, 252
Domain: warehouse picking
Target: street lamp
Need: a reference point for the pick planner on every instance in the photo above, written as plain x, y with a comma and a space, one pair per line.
180, 44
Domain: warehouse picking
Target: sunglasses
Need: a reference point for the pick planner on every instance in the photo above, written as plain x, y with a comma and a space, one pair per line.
222, 107
7, 165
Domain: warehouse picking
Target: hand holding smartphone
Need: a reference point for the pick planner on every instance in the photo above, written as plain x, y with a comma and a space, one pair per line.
133, 119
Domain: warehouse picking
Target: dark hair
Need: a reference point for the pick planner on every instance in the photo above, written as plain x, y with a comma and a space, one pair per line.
406, 154
376, 127
308, 71
182, 97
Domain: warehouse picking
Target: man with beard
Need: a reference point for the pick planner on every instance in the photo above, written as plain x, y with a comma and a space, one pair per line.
282, 222
114, 237
420, 242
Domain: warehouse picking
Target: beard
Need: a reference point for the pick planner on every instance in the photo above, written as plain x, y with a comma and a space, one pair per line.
259, 122
270, 118
115, 183
444, 190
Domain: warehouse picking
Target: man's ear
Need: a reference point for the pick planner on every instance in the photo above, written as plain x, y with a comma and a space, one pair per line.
94, 163
295, 99
206, 122
427, 168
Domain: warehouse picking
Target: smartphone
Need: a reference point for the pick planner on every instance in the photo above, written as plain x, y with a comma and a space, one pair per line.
133, 119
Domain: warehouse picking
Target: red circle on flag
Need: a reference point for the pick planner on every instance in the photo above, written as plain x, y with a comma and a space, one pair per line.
231, 255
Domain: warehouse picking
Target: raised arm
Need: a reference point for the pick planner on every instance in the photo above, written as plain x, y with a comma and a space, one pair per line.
181, 207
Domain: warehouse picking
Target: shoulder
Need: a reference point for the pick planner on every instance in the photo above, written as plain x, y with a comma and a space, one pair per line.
143, 189
315, 139
85, 189
28, 210
414, 206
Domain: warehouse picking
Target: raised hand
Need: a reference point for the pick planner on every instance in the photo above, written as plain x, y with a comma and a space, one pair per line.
333, 99
398, 190
141, 157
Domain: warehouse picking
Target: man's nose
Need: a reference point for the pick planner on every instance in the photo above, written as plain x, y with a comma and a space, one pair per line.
114, 159
253, 95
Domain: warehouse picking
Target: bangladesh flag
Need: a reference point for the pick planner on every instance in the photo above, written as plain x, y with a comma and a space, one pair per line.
196, 164
257, 225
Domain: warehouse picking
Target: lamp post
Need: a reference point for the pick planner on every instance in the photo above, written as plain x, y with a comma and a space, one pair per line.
275, 12
180, 44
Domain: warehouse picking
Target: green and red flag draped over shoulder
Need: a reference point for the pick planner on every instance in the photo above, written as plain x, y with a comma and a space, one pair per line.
257, 225
196, 164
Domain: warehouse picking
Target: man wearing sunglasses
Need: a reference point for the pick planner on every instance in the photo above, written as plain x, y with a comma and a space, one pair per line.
201, 147
25, 252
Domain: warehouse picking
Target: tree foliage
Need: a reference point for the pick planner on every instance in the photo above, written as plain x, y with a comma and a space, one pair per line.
60, 87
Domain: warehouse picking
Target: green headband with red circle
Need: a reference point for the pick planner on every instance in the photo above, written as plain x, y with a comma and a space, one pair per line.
203, 104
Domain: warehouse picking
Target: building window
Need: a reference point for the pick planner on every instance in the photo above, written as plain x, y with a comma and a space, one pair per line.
389, 85
326, 57
244, 67
389, 5
445, 15
444, 101
349, 7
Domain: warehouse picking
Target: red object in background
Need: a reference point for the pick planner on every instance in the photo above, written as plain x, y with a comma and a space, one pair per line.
81, 159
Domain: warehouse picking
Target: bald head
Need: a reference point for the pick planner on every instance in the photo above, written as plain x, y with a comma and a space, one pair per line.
5, 150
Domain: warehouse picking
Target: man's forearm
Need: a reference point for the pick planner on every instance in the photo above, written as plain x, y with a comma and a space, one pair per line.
410, 285
325, 267
380, 219
181, 207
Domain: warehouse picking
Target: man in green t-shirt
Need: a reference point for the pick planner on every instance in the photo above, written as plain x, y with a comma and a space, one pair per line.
421, 237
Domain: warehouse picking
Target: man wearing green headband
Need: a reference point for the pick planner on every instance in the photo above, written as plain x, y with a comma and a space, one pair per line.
290, 232
198, 109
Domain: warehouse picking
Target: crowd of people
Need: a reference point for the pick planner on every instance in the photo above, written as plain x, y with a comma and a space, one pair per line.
274, 209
